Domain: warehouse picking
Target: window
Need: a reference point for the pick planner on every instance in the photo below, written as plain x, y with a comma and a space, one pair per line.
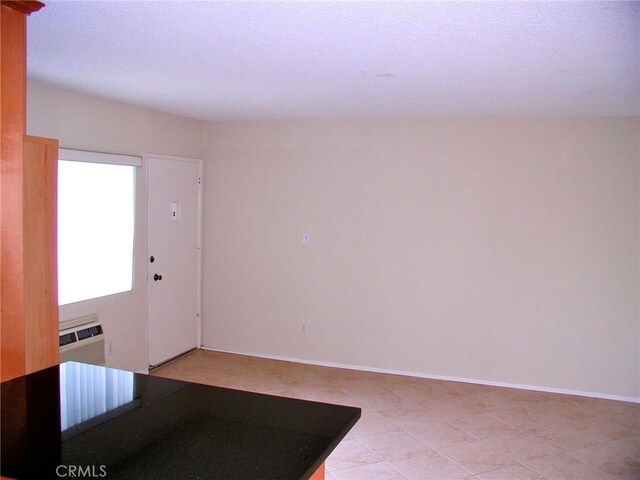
96, 206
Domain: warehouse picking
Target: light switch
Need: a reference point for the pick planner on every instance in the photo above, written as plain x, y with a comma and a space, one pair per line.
175, 211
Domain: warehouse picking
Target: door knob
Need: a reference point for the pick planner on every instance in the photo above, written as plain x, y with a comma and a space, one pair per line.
156, 277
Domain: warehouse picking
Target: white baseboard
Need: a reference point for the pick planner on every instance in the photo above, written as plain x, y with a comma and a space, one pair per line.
363, 368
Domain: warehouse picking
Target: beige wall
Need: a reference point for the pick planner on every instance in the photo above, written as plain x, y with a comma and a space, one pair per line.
90, 123
500, 250
495, 249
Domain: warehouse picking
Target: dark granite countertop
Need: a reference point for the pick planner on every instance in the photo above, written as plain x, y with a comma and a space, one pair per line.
84, 421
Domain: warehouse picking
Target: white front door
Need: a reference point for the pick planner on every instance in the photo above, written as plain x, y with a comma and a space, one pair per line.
173, 256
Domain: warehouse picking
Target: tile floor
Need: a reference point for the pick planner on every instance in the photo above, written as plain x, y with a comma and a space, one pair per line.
420, 429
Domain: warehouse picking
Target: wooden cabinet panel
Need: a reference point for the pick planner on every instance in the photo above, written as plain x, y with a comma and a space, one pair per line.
17, 258
12, 125
40, 262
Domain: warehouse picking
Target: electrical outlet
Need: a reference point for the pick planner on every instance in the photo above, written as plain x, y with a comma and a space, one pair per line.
304, 328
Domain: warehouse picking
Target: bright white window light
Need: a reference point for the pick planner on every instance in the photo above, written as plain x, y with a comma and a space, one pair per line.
87, 391
96, 204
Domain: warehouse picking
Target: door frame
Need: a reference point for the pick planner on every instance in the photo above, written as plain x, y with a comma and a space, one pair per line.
199, 162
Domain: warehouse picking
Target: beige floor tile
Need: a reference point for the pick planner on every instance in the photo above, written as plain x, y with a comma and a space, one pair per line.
449, 408
414, 392
336, 375
604, 429
563, 411
295, 378
478, 457
629, 477
619, 458
599, 437
564, 467
524, 447
374, 471
397, 445
564, 436
372, 423
439, 434
483, 426
280, 391
361, 386
603, 406
515, 472
329, 476
350, 453
382, 400
490, 400
425, 469
324, 394
408, 417
522, 418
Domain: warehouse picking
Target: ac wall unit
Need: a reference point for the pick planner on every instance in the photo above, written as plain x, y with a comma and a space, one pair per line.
82, 340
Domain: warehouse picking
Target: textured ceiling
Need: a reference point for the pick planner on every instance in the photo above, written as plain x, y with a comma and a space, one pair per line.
245, 60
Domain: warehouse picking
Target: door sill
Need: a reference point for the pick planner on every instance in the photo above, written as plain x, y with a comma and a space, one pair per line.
172, 359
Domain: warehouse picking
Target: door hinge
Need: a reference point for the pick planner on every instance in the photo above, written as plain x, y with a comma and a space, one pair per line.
199, 180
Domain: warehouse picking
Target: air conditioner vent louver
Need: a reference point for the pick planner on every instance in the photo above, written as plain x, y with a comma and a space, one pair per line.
89, 332
67, 338
82, 340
